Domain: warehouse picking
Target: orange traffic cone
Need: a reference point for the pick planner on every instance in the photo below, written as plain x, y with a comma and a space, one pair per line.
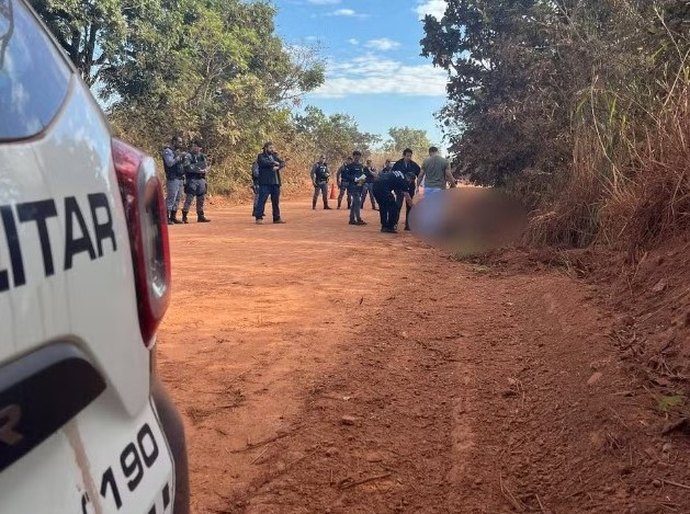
333, 196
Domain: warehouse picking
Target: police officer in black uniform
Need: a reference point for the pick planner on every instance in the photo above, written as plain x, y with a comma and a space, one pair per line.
174, 158
196, 168
372, 175
355, 176
269, 164
407, 165
343, 186
320, 177
390, 186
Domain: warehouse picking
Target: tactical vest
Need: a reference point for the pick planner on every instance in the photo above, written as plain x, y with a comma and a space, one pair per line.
176, 171
196, 163
321, 173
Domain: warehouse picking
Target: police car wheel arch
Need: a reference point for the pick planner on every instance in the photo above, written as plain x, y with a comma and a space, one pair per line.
40, 393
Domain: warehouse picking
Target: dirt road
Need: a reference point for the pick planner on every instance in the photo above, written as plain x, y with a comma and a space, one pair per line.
328, 368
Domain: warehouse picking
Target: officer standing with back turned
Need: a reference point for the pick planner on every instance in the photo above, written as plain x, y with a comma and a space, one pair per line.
196, 168
173, 161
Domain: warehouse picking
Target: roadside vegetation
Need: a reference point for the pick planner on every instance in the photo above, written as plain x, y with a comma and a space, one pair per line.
581, 108
214, 69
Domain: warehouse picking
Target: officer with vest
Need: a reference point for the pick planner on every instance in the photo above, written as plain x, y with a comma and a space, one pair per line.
196, 168
372, 175
320, 177
174, 158
343, 186
355, 176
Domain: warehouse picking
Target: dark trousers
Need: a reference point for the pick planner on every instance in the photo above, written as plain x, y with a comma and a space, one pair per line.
408, 208
255, 190
265, 191
356, 204
320, 189
368, 189
344, 188
389, 210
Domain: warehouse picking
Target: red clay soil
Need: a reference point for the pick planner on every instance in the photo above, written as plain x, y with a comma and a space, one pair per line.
327, 368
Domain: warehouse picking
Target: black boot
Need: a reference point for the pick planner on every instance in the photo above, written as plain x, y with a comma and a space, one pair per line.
184, 217
173, 218
170, 218
326, 207
200, 218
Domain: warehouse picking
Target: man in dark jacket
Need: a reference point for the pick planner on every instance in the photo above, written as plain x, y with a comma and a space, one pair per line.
407, 165
269, 183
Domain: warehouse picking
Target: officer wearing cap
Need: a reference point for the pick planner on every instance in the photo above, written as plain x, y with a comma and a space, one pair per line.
174, 164
320, 177
196, 168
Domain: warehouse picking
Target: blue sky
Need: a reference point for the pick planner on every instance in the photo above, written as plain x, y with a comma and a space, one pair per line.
374, 70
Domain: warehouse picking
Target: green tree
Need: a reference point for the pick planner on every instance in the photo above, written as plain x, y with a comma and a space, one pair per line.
405, 137
94, 33
336, 136
214, 69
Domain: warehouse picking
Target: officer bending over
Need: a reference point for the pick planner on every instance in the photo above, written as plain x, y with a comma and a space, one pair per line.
320, 177
173, 162
355, 177
196, 168
390, 186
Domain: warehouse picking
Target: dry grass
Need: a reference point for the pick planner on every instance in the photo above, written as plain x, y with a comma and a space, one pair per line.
629, 184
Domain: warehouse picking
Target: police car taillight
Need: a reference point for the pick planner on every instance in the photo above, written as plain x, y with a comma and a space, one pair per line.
142, 195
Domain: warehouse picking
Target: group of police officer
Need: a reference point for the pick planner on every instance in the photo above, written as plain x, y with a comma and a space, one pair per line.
387, 189
396, 184
185, 172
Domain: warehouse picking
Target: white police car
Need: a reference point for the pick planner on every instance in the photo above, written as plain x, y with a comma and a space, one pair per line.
84, 282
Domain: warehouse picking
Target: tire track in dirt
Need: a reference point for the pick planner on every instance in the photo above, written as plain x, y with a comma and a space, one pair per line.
326, 368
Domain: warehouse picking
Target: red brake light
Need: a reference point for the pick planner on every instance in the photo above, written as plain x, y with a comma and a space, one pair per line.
142, 196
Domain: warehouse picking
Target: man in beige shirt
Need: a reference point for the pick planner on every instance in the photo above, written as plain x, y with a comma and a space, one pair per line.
436, 173
437, 176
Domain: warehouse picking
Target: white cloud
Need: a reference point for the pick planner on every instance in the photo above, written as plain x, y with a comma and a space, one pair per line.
382, 44
370, 75
345, 12
323, 2
436, 8
353, 41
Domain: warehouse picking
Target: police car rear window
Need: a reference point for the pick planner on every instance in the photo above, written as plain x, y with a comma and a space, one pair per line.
33, 77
